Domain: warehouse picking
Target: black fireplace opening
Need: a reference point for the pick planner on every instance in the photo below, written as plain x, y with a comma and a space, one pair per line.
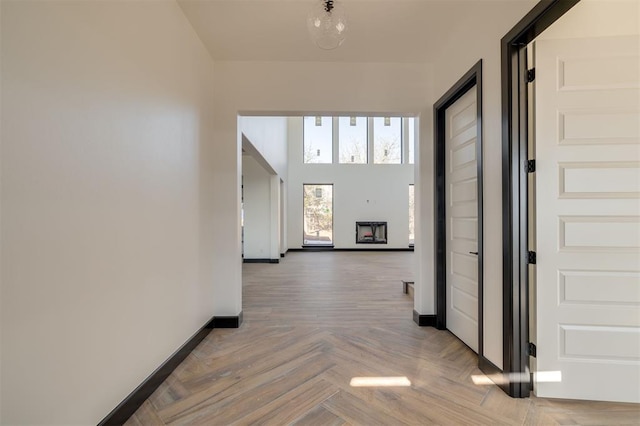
371, 232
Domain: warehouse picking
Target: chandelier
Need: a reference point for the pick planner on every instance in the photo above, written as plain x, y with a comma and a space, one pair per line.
327, 24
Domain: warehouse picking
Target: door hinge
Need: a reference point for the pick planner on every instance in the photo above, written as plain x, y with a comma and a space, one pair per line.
531, 75
531, 258
530, 166
531, 348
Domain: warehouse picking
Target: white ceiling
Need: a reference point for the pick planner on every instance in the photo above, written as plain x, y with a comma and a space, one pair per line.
378, 30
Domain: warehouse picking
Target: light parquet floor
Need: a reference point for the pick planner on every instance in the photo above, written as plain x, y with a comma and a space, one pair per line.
315, 321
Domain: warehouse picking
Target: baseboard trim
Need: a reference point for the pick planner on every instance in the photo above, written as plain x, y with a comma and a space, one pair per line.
349, 249
260, 260
228, 322
375, 249
489, 368
135, 399
314, 248
424, 320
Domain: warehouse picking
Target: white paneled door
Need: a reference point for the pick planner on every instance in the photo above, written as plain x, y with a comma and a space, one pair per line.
588, 218
462, 218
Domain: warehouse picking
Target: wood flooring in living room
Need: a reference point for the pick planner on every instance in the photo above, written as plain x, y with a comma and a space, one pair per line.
315, 321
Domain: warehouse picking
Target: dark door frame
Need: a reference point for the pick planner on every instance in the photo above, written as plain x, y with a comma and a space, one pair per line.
514, 191
472, 78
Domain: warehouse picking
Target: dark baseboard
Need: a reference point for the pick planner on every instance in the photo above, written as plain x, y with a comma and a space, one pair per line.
424, 320
314, 248
228, 322
260, 260
489, 368
331, 248
375, 249
131, 403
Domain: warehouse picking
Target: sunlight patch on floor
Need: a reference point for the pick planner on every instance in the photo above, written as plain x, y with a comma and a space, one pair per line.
502, 379
379, 381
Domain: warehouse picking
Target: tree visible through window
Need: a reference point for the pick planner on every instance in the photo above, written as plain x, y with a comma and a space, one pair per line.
352, 140
318, 214
387, 140
318, 139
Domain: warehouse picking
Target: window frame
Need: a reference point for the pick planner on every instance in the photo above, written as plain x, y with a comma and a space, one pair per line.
372, 142
331, 144
406, 148
304, 241
366, 141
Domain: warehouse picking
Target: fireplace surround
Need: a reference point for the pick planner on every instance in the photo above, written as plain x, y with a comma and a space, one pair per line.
371, 232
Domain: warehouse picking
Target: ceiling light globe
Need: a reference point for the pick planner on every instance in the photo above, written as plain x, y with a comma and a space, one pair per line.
327, 24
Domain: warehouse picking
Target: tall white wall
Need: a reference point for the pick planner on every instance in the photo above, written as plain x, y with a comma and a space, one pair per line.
107, 201
1, 274
284, 246
265, 139
257, 236
476, 39
361, 192
269, 136
276, 220
296, 88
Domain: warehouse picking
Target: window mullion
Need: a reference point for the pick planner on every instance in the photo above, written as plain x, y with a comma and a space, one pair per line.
370, 137
335, 137
404, 152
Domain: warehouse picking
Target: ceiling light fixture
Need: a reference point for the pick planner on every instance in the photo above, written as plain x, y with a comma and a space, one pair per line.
327, 24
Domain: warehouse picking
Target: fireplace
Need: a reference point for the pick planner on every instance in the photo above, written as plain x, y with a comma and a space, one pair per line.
371, 232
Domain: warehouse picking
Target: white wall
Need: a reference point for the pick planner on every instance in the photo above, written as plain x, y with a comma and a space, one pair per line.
479, 37
269, 136
1, 274
107, 202
361, 192
284, 246
295, 88
257, 209
265, 139
597, 18
276, 220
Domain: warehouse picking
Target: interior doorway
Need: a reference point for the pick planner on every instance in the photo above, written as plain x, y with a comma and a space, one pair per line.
586, 117
458, 205
573, 256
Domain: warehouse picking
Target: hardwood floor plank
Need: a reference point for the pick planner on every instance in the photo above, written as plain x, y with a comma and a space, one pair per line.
232, 406
316, 320
221, 389
564, 411
169, 392
292, 405
145, 415
319, 416
359, 412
